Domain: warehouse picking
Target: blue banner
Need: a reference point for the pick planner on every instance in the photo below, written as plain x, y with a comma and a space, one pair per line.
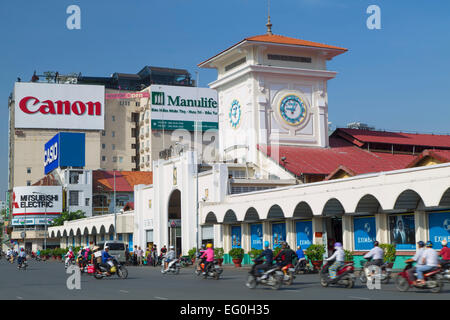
65, 149
256, 236
304, 233
364, 232
403, 231
439, 223
278, 234
236, 237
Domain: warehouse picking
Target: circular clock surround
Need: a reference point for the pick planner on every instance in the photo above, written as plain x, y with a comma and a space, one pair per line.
291, 109
235, 113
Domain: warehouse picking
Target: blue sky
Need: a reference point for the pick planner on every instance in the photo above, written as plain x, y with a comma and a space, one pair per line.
395, 78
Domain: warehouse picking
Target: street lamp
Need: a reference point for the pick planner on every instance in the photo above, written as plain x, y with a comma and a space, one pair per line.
45, 208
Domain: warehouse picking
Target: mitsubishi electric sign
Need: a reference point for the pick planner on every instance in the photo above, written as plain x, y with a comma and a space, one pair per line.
59, 106
36, 205
175, 107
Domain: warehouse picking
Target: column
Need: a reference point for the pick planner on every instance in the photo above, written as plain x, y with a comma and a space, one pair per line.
290, 234
267, 232
421, 222
226, 238
246, 245
381, 223
317, 223
347, 232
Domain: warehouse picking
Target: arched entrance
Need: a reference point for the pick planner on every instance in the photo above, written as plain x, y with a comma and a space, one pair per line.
174, 215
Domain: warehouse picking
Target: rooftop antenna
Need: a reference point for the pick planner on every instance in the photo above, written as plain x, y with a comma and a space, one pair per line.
269, 24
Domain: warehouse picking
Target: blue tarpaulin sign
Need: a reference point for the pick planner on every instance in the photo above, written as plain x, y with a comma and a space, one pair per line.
256, 236
439, 223
236, 237
278, 234
364, 232
304, 233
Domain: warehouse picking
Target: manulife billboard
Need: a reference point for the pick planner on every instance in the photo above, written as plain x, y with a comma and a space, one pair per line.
189, 108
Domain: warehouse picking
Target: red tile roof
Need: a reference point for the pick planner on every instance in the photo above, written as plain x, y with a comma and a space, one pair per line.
125, 180
442, 156
324, 161
277, 39
360, 137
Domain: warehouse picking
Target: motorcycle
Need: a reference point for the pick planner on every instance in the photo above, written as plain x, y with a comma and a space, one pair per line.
185, 261
70, 262
302, 266
23, 265
445, 267
433, 279
213, 271
289, 276
173, 267
115, 268
344, 275
274, 277
385, 275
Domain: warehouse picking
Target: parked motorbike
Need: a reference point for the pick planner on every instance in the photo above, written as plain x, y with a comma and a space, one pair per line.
116, 268
385, 275
344, 275
273, 277
302, 266
433, 279
214, 271
173, 267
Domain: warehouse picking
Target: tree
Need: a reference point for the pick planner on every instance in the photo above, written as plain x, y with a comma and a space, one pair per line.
68, 216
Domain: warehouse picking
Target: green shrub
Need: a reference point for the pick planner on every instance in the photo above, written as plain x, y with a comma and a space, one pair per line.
277, 251
218, 253
254, 253
348, 255
192, 252
237, 253
389, 252
315, 252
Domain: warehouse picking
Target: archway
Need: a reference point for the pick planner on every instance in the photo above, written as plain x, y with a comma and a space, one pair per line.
174, 223
332, 213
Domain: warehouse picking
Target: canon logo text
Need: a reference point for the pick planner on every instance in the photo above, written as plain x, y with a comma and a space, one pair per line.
32, 105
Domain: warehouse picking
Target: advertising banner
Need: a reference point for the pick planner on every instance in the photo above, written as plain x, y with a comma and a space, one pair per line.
35, 220
59, 106
235, 237
278, 234
65, 149
304, 233
402, 231
127, 95
439, 223
37, 200
256, 236
175, 107
364, 232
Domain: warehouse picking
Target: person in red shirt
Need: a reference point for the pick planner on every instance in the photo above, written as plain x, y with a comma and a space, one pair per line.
445, 252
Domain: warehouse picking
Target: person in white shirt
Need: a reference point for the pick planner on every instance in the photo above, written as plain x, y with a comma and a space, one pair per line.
169, 257
430, 260
417, 257
339, 256
376, 255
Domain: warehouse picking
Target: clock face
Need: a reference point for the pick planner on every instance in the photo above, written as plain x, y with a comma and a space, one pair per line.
293, 110
235, 114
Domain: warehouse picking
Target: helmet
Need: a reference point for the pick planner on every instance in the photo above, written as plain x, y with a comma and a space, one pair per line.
171, 247
421, 244
106, 247
444, 242
338, 245
376, 243
429, 244
209, 245
266, 244
21, 249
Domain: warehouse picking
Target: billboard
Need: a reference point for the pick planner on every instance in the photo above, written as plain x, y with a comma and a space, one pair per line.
174, 107
439, 223
304, 232
364, 232
59, 106
37, 200
278, 234
236, 237
65, 149
402, 231
256, 236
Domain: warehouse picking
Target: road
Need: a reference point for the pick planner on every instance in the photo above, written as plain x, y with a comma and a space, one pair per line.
47, 280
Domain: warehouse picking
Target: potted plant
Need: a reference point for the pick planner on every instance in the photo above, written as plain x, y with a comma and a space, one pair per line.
389, 253
315, 253
191, 254
58, 254
348, 256
237, 254
254, 253
218, 253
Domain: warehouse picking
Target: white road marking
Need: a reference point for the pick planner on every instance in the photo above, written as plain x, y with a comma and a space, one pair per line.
359, 298
20, 298
161, 298
124, 291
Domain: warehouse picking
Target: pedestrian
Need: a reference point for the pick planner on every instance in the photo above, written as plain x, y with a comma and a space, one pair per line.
140, 254
127, 255
135, 255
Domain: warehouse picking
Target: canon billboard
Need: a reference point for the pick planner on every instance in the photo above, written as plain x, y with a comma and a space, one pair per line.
59, 106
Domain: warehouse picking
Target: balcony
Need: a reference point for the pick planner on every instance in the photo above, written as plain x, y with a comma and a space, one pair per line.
141, 136
147, 120
147, 164
142, 150
142, 165
147, 135
147, 149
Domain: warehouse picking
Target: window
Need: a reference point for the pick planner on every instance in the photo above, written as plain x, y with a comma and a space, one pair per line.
138, 104
113, 118
28, 183
133, 146
133, 132
114, 147
120, 159
103, 133
288, 58
113, 134
73, 198
87, 202
133, 159
103, 146
103, 158
235, 64
74, 177
114, 159
148, 158
28, 170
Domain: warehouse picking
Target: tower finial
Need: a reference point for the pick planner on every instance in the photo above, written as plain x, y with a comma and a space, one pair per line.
269, 24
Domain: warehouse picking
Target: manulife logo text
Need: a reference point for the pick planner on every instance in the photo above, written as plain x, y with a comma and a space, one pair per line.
159, 98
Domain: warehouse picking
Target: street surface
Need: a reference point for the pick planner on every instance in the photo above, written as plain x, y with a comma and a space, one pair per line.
47, 280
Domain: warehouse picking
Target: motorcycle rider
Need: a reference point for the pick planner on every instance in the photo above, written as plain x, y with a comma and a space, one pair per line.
169, 257
70, 255
339, 256
209, 255
430, 260
444, 253
417, 257
105, 258
287, 255
268, 255
21, 258
200, 260
375, 257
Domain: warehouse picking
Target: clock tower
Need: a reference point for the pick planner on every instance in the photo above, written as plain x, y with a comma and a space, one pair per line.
272, 90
